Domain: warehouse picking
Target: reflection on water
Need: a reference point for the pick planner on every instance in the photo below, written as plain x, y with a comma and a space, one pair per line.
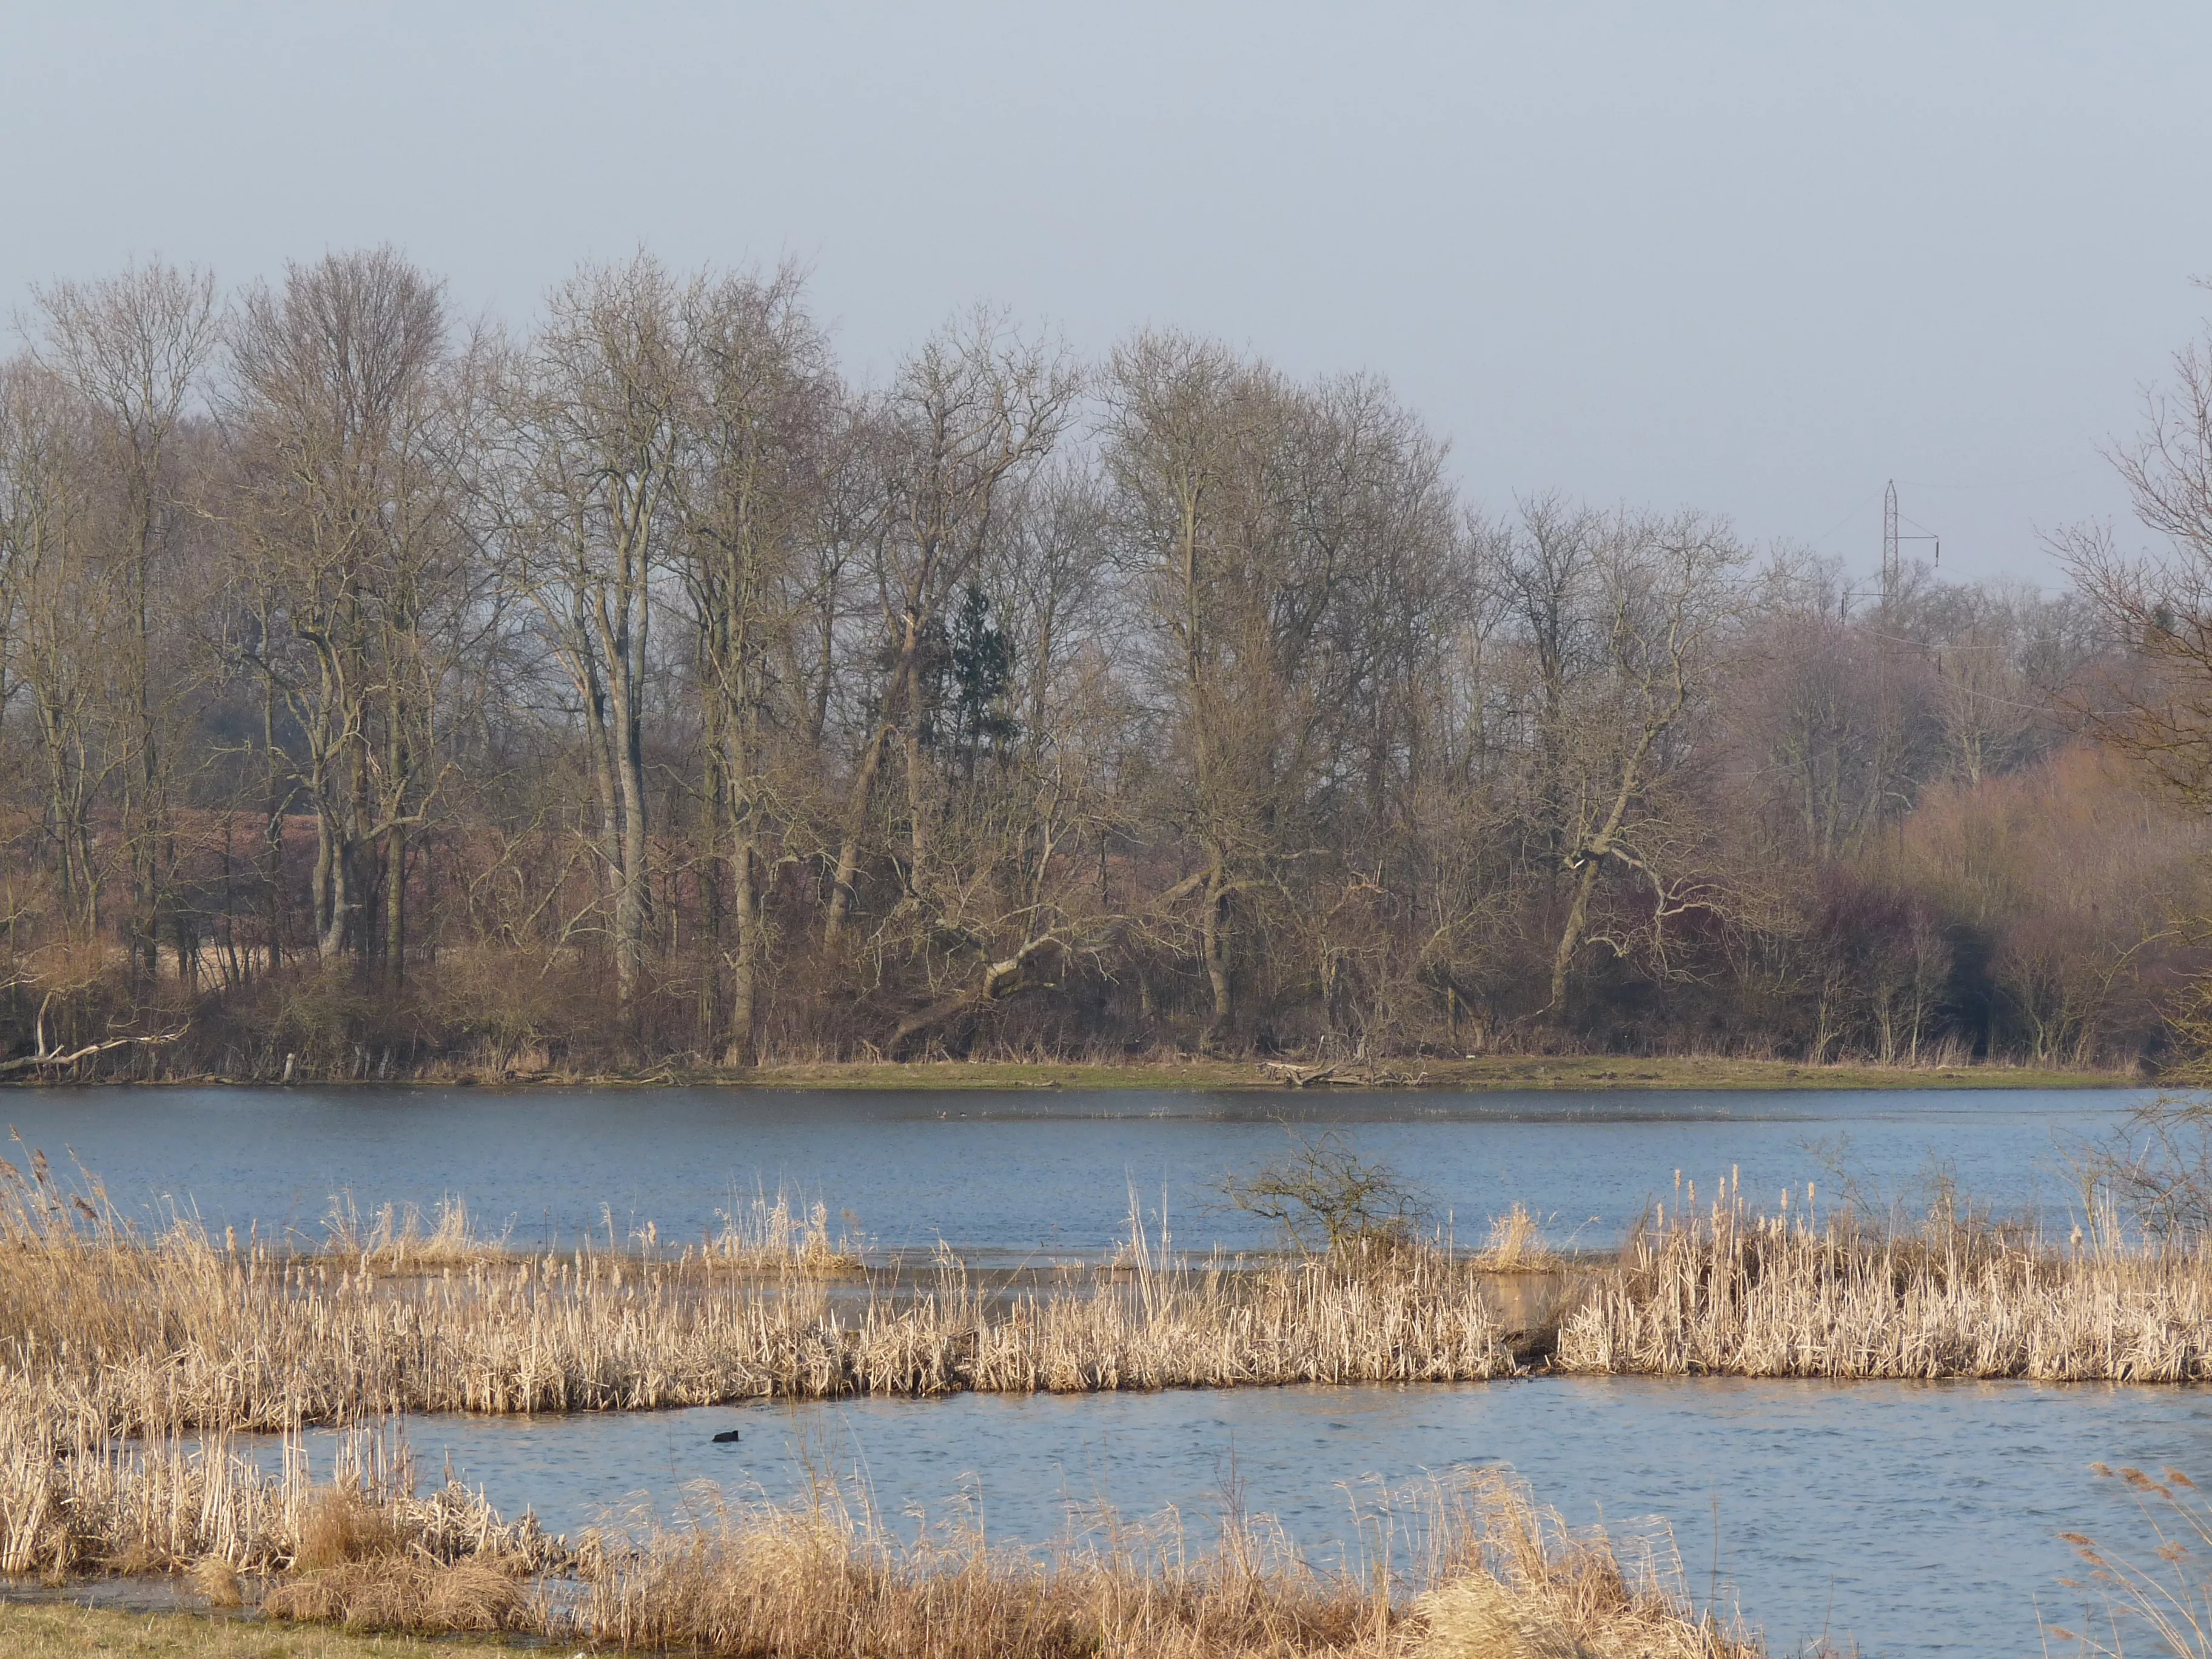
1005, 1176
1913, 1518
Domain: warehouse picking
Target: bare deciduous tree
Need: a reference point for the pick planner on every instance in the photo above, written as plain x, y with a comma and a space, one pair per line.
356, 575
132, 347
596, 426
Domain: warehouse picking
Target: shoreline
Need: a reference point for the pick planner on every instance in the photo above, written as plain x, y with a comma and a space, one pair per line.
1498, 1074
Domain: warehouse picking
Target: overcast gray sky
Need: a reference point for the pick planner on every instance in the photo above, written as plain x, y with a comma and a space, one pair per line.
1757, 258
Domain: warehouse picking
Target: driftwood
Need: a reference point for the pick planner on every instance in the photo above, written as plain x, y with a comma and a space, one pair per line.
1291, 1075
33, 1062
1294, 1076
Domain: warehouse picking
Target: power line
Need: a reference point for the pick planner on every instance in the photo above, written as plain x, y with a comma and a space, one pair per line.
1893, 564
2007, 483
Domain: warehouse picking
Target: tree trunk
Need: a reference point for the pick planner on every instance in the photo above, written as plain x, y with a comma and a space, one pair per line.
1216, 944
631, 899
848, 847
917, 799
273, 829
1570, 939
333, 892
744, 871
744, 1015
395, 903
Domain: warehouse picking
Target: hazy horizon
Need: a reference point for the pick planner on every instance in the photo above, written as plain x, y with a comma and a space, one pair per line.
1755, 263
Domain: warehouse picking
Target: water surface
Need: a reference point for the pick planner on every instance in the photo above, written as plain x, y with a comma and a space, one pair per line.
1916, 1519
1013, 1173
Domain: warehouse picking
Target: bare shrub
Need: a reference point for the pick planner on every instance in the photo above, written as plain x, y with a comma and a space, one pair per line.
1324, 1196
2154, 1173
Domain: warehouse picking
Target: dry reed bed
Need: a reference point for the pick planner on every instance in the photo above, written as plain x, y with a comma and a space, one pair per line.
1487, 1572
73, 1501
1727, 1291
1480, 1571
181, 1333
115, 1333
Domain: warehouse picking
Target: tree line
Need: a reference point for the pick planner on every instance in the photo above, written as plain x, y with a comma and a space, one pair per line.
380, 693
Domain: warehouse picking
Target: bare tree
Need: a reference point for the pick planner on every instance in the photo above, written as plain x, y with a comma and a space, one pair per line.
2156, 703
1267, 532
764, 410
132, 347
974, 407
1666, 591
356, 577
596, 427
56, 622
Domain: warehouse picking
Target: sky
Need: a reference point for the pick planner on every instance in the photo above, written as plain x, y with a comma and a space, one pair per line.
1757, 260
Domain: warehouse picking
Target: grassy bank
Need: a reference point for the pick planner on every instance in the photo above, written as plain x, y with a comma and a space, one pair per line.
1493, 1073
51, 1631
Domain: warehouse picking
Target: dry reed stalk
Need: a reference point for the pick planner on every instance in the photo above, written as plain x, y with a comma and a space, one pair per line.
363, 1550
1500, 1578
179, 1329
1728, 1291
2172, 1602
774, 1234
395, 1239
75, 1500
1516, 1242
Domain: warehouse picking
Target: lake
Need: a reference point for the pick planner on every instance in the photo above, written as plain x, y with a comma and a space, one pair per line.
1916, 1519
1007, 1176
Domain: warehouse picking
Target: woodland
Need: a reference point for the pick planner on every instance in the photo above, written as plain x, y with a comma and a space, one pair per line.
384, 693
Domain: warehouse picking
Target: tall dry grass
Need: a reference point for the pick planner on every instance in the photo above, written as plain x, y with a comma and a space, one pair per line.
1482, 1571
2169, 1603
400, 1314
180, 1328
1724, 1290
1491, 1574
76, 1499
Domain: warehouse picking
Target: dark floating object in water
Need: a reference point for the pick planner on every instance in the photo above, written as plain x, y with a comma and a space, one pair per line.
726, 1437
